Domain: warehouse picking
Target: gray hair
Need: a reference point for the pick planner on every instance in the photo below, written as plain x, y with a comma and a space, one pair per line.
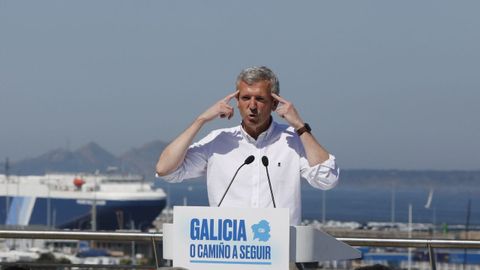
256, 74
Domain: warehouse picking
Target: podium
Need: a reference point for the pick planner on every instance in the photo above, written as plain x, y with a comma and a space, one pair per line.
208, 237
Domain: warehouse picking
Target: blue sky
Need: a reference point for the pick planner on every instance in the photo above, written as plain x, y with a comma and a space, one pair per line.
383, 84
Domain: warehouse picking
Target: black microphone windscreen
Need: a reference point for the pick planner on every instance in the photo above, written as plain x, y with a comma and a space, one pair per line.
265, 161
249, 159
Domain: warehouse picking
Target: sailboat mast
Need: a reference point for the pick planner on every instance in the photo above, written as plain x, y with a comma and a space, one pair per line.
7, 174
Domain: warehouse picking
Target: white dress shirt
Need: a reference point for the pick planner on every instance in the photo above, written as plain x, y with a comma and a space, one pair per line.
221, 152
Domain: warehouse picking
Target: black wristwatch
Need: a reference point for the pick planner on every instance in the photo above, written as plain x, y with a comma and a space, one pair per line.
305, 128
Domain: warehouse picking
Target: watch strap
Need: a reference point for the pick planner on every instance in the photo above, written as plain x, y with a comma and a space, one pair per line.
305, 128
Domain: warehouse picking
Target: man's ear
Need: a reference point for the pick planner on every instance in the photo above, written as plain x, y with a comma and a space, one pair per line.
275, 104
237, 98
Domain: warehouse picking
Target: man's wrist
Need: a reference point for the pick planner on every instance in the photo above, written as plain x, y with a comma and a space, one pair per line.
201, 120
305, 128
297, 124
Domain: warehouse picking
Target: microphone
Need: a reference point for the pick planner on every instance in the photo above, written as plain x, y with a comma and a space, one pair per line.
247, 161
265, 163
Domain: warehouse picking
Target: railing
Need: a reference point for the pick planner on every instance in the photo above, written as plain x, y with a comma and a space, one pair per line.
155, 238
418, 243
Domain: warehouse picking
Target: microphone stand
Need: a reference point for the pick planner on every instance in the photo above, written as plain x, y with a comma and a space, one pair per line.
249, 160
265, 163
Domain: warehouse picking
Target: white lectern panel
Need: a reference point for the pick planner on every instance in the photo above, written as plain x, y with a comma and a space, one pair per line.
231, 238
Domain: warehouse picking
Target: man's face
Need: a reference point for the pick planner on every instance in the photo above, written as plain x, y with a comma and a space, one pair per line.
255, 104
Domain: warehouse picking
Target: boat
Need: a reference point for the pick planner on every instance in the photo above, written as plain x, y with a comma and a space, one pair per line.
80, 201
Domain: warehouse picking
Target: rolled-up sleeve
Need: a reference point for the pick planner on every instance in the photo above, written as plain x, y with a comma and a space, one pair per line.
324, 175
194, 164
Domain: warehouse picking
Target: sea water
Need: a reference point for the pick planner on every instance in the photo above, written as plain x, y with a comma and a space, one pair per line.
364, 204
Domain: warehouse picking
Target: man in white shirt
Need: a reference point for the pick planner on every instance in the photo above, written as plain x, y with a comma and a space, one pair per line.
291, 151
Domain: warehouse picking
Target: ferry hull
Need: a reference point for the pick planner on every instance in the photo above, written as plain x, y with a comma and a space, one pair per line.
77, 214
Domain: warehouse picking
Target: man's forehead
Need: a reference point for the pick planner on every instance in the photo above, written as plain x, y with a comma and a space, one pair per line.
259, 87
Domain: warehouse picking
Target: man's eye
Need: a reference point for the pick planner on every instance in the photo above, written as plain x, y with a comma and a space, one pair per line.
245, 98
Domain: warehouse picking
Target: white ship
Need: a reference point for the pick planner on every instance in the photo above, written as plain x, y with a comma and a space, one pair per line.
69, 201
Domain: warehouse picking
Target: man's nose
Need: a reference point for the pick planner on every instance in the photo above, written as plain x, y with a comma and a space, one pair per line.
252, 104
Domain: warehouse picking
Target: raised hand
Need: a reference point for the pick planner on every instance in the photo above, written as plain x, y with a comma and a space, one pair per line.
287, 111
220, 109
174, 154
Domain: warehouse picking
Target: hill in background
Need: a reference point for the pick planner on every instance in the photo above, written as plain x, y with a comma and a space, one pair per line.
92, 157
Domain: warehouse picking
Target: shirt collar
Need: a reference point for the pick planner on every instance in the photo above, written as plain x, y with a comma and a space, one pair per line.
263, 136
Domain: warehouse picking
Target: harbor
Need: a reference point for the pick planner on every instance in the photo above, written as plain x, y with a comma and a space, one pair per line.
88, 191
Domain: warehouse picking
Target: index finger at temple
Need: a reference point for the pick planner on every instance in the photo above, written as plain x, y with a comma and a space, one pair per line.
230, 96
277, 97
